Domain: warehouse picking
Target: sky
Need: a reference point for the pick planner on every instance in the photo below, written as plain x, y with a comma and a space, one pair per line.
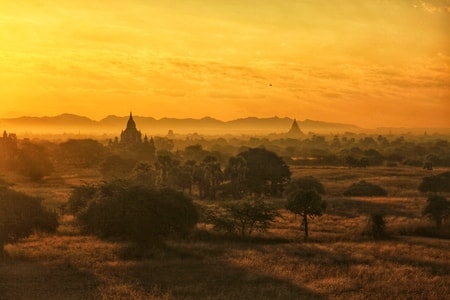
372, 63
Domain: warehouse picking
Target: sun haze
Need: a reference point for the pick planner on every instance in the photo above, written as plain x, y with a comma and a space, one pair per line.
370, 63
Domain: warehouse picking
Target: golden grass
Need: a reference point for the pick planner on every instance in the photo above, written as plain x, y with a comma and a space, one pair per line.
337, 263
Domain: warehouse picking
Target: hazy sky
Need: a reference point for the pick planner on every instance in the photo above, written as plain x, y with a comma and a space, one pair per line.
367, 62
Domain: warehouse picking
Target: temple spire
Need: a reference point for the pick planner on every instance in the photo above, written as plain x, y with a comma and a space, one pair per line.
295, 130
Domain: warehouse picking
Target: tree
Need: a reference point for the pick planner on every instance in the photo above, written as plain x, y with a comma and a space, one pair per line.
20, 214
365, 189
83, 153
266, 172
115, 166
436, 184
213, 176
376, 225
437, 209
304, 199
244, 217
144, 174
80, 197
305, 183
236, 172
165, 167
33, 161
8, 150
137, 213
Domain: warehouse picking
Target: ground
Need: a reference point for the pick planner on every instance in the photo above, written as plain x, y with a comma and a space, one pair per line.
337, 263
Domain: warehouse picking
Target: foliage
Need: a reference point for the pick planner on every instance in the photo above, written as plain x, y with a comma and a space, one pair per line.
143, 173
33, 161
80, 197
304, 201
435, 184
115, 166
243, 217
138, 213
305, 183
8, 150
365, 189
267, 173
82, 153
437, 209
356, 163
20, 214
376, 226
236, 172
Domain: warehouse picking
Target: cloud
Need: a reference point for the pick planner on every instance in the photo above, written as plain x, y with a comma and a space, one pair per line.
433, 7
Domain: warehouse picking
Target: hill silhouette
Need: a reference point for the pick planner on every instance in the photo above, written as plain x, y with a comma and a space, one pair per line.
207, 125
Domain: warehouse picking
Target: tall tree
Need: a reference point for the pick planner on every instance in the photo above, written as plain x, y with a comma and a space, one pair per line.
236, 172
266, 172
304, 199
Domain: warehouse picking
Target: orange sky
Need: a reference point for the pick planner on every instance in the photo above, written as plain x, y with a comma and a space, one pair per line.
366, 62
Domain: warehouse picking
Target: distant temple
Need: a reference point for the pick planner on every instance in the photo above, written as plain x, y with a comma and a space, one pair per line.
131, 135
132, 144
295, 131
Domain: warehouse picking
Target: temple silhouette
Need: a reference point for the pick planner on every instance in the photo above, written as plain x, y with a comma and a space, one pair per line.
295, 131
131, 143
131, 135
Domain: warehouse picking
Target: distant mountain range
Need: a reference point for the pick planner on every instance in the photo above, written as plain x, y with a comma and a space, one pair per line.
71, 123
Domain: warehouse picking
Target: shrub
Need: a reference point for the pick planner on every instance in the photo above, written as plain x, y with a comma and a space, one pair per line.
376, 226
138, 214
32, 161
20, 214
243, 217
435, 184
80, 197
365, 189
437, 209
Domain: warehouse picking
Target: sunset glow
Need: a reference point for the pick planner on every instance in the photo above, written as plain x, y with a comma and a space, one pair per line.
369, 63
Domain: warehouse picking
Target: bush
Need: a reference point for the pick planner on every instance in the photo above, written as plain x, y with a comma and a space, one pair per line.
138, 214
243, 217
437, 209
20, 214
365, 189
32, 161
436, 184
80, 197
376, 226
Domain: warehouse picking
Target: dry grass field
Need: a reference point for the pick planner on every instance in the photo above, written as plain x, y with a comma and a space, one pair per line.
337, 263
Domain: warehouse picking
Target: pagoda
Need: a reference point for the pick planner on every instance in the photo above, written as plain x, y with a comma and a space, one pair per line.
131, 135
295, 131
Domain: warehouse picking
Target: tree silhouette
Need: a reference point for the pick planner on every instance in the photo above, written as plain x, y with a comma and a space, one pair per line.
137, 213
213, 176
20, 214
266, 172
243, 217
437, 209
33, 161
436, 184
236, 172
84, 153
304, 199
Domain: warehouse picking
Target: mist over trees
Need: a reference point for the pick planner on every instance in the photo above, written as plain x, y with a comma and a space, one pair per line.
151, 171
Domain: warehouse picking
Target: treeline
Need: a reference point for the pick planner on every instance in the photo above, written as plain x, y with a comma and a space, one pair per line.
200, 165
